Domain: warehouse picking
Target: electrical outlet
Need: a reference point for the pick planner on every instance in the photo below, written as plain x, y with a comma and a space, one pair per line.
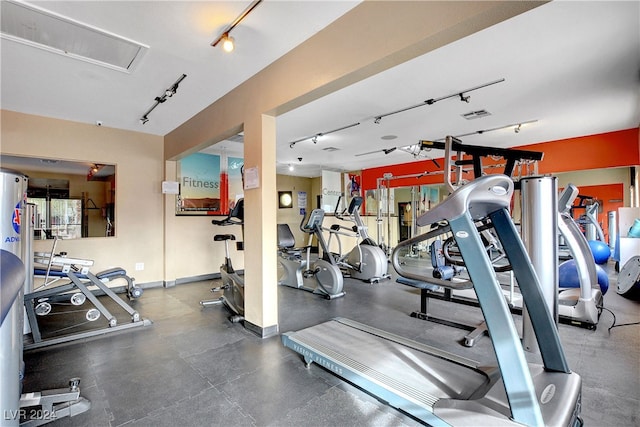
139, 266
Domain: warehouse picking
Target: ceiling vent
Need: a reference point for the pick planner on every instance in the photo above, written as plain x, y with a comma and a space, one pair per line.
476, 114
36, 27
330, 149
237, 138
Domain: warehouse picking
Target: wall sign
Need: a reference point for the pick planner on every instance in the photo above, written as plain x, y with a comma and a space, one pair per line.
210, 184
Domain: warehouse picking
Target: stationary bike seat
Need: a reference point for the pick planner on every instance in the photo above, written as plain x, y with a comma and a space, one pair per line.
222, 237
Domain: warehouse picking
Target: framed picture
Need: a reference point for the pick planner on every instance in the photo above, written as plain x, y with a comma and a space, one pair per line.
210, 184
285, 199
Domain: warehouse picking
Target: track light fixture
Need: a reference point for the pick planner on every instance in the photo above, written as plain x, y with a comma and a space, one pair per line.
228, 43
314, 138
168, 93
516, 127
432, 101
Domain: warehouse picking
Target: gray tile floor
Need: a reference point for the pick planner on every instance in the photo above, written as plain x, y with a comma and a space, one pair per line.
192, 367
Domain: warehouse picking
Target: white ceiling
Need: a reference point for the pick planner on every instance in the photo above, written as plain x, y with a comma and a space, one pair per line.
574, 66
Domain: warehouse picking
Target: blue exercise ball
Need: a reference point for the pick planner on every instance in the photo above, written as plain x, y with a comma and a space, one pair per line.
603, 279
600, 251
568, 276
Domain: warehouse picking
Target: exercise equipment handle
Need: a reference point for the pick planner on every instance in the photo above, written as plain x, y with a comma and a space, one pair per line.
235, 217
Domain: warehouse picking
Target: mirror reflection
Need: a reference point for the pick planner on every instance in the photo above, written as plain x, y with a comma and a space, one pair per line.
74, 199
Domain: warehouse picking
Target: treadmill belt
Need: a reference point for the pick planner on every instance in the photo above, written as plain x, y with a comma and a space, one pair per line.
419, 372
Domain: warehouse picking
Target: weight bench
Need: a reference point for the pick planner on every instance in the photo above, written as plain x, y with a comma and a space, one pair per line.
40, 303
105, 276
76, 292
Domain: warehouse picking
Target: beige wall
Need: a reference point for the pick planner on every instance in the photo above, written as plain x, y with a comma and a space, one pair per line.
292, 216
138, 158
190, 249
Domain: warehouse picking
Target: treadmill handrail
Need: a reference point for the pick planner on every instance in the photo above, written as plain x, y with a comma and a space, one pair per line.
412, 274
480, 197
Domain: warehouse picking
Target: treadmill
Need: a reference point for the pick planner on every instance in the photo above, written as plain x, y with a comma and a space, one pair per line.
443, 389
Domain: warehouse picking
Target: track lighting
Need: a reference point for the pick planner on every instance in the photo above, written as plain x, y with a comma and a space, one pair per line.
228, 43
314, 138
93, 170
434, 100
517, 127
168, 93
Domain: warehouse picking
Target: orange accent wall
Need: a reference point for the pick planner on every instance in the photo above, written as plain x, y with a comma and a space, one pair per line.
606, 150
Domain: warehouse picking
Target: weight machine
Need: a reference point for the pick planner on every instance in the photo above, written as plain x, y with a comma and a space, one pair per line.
82, 287
520, 163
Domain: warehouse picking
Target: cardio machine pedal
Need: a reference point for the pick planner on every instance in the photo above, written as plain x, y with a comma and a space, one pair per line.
220, 288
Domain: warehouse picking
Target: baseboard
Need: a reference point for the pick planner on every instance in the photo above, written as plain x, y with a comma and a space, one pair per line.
269, 331
150, 285
198, 278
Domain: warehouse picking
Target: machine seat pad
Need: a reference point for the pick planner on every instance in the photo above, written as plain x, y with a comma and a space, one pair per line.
222, 237
417, 284
286, 240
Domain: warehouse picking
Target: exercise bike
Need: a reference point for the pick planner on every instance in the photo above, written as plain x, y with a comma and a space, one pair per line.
366, 261
232, 283
322, 277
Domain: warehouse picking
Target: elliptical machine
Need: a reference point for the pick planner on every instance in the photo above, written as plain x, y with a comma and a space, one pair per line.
366, 261
232, 283
325, 276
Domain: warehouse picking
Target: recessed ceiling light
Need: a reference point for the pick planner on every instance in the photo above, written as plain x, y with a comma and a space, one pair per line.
389, 137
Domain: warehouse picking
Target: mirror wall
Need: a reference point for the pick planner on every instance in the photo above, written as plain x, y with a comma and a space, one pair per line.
74, 199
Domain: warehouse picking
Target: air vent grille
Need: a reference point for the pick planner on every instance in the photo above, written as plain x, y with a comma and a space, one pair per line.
476, 114
237, 138
36, 27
